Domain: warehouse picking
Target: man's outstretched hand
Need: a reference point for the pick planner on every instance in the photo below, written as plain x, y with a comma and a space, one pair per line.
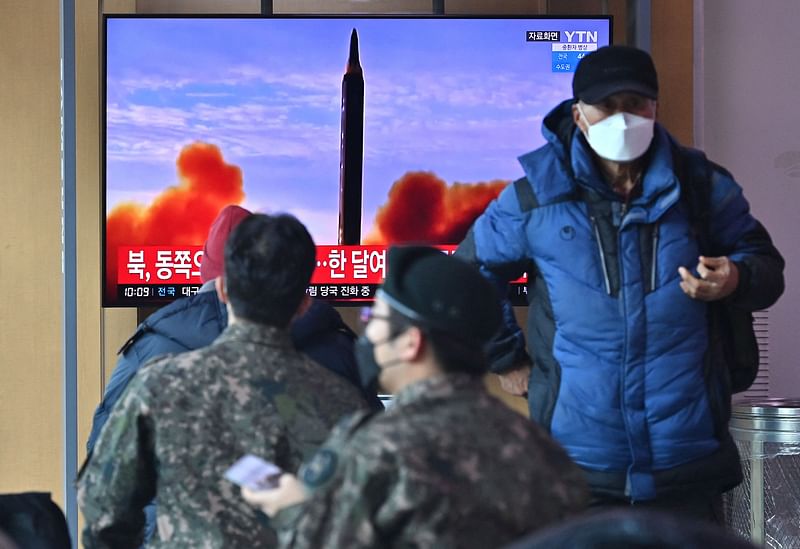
718, 279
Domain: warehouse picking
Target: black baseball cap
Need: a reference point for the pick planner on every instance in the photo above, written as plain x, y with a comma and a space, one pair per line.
614, 69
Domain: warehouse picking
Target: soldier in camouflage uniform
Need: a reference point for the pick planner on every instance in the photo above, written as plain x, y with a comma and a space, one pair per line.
447, 465
185, 419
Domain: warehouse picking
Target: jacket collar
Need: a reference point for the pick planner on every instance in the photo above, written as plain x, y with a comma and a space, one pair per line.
442, 386
660, 188
247, 331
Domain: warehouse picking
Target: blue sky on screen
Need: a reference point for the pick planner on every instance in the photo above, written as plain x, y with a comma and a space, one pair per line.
459, 97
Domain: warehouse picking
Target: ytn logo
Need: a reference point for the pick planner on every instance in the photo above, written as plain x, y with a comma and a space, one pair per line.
581, 36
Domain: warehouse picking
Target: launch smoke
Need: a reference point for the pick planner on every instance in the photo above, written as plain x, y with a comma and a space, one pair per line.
421, 208
179, 215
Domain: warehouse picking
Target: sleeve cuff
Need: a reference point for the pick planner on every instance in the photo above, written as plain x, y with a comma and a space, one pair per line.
744, 282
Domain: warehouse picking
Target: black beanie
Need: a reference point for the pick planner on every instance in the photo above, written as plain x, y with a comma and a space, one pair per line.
442, 292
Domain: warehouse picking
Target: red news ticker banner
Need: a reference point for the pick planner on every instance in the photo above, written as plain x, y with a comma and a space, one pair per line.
181, 265
159, 264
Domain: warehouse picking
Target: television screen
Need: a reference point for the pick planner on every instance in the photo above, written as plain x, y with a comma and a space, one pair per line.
371, 130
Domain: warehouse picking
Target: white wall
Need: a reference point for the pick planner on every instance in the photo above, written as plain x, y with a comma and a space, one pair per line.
747, 118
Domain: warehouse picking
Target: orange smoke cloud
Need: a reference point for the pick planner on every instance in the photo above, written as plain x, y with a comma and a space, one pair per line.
181, 214
422, 209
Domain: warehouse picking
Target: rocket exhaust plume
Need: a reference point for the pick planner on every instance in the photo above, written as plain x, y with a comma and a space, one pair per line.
179, 215
422, 209
351, 148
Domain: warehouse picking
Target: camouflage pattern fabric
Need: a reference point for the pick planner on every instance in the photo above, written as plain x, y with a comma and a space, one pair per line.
447, 465
185, 419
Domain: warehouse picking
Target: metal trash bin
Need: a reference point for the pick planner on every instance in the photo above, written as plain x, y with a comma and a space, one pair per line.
766, 507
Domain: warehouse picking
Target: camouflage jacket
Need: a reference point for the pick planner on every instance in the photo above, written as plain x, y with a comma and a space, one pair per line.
447, 465
185, 419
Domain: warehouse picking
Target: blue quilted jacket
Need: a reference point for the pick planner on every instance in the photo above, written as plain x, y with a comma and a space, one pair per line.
620, 353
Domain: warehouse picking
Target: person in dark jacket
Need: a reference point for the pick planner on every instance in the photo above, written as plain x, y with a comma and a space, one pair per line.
193, 322
624, 369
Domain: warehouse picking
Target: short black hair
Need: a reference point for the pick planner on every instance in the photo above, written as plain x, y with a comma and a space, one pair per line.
269, 260
453, 354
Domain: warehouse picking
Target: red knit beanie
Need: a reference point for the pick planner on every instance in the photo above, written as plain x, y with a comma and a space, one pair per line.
214, 249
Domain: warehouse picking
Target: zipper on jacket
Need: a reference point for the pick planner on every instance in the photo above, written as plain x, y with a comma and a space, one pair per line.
602, 254
654, 256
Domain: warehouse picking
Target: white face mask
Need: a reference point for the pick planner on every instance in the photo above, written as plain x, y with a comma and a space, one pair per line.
621, 137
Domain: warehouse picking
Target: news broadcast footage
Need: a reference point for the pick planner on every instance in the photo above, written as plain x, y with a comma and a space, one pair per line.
372, 131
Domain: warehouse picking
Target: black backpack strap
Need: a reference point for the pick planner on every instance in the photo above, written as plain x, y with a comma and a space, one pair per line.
525, 196
694, 171
731, 328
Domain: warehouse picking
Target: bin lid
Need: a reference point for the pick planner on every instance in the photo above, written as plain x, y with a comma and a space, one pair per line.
772, 407
771, 419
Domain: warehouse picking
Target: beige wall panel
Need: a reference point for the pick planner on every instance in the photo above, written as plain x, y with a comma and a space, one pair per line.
87, 69
118, 6
618, 10
499, 7
352, 6
672, 48
30, 249
575, 7
198, 6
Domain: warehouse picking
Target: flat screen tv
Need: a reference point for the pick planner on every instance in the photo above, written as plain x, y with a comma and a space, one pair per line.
371, 130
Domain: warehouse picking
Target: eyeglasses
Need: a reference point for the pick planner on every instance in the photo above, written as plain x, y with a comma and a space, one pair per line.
368, 313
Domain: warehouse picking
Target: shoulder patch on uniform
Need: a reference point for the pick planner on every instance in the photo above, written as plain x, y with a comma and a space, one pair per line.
320, 469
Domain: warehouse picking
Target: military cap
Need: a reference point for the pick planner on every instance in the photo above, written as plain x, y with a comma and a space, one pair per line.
441, 292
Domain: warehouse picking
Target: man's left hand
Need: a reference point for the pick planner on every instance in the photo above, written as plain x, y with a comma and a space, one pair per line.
718, 279
289, 491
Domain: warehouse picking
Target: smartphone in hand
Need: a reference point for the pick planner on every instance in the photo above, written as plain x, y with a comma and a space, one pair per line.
254, 473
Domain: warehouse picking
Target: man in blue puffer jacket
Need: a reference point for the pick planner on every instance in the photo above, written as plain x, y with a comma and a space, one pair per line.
194, 322
621, 365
